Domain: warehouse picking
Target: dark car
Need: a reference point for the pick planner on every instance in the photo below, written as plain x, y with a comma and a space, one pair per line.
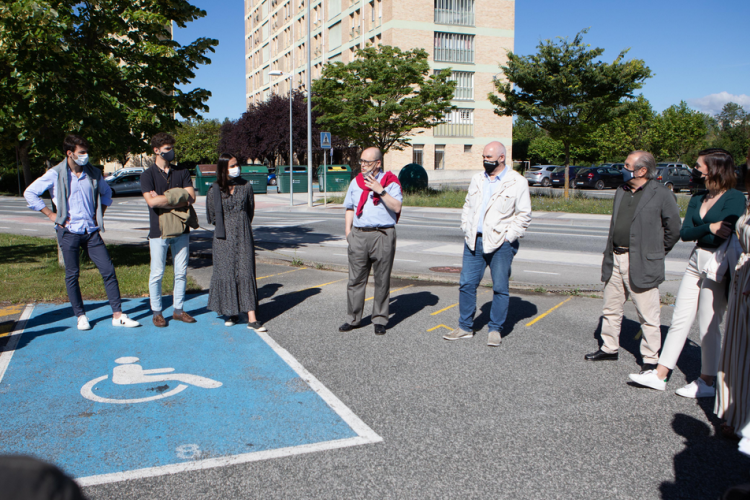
126, 184
272, 176
558, 176
598, 177
674, 176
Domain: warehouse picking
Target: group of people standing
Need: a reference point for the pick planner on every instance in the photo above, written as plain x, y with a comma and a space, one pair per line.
645, 226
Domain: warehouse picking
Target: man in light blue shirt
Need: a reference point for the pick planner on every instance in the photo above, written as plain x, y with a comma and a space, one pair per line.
81, 196
373, 206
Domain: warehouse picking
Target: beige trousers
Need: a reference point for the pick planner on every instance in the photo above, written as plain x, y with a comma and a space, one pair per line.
647, 303
376, 250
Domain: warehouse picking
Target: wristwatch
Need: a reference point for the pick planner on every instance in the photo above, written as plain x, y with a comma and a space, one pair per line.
381, 193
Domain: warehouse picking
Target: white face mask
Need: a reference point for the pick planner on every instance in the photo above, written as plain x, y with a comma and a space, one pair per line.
81, 160
234, 172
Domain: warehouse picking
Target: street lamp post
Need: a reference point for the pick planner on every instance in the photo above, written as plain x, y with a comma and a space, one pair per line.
309, 112
291, 150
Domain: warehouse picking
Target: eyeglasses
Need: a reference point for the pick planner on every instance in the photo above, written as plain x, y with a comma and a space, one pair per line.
368, 162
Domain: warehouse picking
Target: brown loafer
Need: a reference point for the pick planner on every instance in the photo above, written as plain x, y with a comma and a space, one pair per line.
159, 321
184, 317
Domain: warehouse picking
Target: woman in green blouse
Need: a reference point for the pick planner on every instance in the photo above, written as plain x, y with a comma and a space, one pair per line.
709, 221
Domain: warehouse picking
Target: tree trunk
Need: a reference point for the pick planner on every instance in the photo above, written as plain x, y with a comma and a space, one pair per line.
567, 170
23, 156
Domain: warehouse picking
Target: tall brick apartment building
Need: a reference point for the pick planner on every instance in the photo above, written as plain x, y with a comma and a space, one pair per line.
469, 36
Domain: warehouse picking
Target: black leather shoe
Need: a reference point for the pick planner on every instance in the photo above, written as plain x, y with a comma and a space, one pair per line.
601, 356
379, 330
647, 366
346, 327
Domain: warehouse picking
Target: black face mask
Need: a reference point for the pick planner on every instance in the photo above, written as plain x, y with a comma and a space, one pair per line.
490, 166
168, 156
697, 175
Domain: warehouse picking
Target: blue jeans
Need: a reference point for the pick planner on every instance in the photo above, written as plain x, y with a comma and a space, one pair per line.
159, 248
474, 264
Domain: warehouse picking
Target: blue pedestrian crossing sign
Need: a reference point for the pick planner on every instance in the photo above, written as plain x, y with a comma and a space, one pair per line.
116, 404
325, 140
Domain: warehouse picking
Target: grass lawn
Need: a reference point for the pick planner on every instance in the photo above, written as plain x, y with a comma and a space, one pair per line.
29, 272
578, 202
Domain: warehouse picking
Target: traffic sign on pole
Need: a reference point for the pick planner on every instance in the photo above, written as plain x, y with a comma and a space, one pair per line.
325, 140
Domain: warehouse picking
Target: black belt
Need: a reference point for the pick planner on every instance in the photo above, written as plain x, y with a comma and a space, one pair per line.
620, 250
370, 229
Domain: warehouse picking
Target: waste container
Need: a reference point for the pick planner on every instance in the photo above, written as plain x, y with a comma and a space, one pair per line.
413, 177
257, 175
205, 175
337, 178
299, 178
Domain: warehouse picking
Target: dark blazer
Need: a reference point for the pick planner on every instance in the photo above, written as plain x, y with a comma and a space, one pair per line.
653, 233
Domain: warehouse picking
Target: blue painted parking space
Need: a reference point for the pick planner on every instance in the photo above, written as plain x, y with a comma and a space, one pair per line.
113, 403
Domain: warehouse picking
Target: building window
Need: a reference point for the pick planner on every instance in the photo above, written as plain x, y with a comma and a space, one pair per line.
417, 155
266, 75
467, 148
440, 157
334, 36
457, 123
464, 85
458, 12
453, 47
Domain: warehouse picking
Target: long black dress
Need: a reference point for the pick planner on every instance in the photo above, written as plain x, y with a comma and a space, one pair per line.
233, 288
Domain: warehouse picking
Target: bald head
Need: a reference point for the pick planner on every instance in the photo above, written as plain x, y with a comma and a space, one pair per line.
494, 151
370, 159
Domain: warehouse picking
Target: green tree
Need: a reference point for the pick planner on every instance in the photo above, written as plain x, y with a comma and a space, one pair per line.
634, 130
382, 97
566, 90
106, 69
197, 142
679, 132
734, 131
524, 131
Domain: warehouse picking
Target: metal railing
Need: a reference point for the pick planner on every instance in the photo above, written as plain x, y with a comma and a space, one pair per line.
454, 47
456, 12
454, 130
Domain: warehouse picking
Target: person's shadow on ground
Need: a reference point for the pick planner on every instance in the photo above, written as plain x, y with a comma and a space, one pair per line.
280, 304
708, 465
409, 304
630, 336
518, 310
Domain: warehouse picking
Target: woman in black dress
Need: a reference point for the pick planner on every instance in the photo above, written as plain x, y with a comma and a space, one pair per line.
230, 205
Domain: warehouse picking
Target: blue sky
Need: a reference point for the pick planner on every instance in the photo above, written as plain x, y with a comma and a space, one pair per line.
698, 51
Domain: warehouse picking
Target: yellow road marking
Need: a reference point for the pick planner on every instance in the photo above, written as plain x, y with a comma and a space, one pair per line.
279, 274
320, 286
439, 326
8, 310
444, 309
545, 314
392, 291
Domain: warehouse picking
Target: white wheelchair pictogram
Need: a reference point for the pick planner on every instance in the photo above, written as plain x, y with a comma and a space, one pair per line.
128, 372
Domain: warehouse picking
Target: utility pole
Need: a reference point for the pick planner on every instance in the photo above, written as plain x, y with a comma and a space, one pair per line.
309, 111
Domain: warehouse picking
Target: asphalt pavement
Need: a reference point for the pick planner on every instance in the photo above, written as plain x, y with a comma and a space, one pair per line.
530, 419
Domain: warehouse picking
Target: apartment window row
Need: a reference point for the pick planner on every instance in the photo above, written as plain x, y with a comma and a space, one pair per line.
464, 85
457, 123
456, 12
454, 47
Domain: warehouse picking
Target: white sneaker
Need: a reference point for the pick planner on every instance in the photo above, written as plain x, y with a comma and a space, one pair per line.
649, 379
83, 323
231, 321
697, 389
123, 320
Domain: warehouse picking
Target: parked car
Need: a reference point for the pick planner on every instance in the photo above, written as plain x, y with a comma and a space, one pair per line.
598, 177
618, 166
125, 171
675, 176
272, 176
539, 174
558, 176
125, 184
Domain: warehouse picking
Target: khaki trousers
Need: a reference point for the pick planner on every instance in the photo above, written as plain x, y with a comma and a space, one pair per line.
370, 249
647, 303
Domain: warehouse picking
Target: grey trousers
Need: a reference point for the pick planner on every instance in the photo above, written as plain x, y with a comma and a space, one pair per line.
370, 249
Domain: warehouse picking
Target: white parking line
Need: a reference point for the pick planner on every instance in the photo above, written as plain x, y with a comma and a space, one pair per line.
539, 272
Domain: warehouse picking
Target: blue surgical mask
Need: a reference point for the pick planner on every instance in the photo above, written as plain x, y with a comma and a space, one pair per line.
627, 175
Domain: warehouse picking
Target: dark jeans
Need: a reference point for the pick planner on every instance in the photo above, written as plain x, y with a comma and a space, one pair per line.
474, 264
71, 243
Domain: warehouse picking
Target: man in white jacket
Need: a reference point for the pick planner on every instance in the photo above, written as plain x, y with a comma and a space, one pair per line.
496, 214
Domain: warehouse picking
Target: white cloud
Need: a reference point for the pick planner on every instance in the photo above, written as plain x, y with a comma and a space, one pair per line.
713, 103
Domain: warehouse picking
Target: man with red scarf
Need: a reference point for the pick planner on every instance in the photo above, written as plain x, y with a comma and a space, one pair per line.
373, 206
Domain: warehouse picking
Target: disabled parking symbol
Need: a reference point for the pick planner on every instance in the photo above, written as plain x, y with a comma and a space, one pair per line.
129, 372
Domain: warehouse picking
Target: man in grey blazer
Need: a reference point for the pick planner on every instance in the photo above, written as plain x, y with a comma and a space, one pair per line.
645, 226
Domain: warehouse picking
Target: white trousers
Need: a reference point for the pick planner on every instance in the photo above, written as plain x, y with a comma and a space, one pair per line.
706, 298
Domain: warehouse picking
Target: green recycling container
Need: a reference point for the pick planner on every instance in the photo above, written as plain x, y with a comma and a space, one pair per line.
413, 177
299, 178
257, 175
205, 175
337, 178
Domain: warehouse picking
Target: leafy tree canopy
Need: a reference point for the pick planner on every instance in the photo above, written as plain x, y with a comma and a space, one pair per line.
382, 97
679, 130
106, 69
197, 142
